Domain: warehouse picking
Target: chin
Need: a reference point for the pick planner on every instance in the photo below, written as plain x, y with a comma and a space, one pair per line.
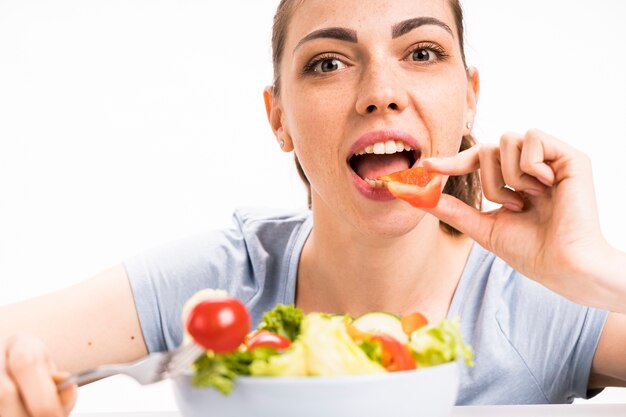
393, 224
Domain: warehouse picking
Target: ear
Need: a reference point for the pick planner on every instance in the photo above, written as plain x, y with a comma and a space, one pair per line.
473, 87
275, 118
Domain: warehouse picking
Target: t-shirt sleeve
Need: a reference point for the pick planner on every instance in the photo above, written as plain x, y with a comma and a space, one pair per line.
164, 278
556, 337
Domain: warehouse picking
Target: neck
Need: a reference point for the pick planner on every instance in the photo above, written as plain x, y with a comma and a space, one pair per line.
344, 271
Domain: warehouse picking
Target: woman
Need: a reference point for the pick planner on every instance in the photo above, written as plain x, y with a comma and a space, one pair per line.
350, 76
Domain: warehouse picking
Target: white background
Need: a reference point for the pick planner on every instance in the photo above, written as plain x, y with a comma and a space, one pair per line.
128, 123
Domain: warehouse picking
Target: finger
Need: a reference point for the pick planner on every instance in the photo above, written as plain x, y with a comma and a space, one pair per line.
67, 395
511, 147
10, 402
29, 366
460, 164
464, 218
538, 149
492, 180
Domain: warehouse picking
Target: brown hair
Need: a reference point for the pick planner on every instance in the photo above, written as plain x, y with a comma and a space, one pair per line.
466, 188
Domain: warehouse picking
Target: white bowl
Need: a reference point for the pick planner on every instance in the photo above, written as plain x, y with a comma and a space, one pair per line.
428, 392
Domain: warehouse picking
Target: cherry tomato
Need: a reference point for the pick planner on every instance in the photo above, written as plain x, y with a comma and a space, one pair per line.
416, 186
396, 356
268, 339
412, 322
219, 324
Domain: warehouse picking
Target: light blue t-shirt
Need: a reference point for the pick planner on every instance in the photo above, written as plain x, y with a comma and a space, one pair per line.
531, 345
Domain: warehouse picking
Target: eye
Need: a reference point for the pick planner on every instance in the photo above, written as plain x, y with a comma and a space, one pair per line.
422, 54
324, 65
426, 53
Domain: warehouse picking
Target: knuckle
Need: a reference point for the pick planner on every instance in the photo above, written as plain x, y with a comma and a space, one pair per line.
487, 150
533, 133
25, 356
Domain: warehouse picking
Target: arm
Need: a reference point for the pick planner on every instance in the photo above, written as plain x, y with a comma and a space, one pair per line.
83, 326
86, 325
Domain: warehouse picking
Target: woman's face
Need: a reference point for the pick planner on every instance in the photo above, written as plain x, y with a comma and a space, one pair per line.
363, 77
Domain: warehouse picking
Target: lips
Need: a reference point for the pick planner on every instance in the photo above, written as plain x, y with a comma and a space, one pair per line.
380, 153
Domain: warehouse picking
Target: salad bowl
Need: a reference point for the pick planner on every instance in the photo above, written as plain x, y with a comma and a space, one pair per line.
430, 391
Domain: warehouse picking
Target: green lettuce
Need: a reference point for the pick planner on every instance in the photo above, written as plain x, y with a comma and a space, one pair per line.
437, 344
220, 370
284, 320
292, 362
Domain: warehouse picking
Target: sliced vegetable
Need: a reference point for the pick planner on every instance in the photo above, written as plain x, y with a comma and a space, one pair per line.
218, 324
386, 323
416, 186
267, 339
395, 355
412, 322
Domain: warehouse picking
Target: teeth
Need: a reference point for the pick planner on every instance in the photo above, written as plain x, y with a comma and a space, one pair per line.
375, 183
379, 148
388, 147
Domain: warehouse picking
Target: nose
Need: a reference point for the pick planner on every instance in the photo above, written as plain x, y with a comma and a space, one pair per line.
380, 92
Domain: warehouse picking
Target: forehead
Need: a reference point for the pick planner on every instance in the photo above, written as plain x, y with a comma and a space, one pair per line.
364, 16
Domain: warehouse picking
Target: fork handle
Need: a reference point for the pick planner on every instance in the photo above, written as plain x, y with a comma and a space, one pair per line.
87, 377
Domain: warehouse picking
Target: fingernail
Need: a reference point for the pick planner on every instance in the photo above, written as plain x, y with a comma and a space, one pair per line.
512, 207
533, 191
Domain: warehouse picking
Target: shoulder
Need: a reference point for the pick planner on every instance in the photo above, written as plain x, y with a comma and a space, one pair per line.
259, 219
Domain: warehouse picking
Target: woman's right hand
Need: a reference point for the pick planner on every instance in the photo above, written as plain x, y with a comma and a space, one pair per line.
28, 380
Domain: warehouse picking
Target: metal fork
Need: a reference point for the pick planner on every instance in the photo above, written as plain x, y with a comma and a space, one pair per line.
153, 368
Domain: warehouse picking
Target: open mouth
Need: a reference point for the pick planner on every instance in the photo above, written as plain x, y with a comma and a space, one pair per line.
382, 158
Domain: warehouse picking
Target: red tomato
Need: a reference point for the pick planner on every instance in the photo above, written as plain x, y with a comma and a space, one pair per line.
268, 339
416, 186
395, 356
219, 324
412, 322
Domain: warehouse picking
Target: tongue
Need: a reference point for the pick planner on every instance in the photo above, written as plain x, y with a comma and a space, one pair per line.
373, 166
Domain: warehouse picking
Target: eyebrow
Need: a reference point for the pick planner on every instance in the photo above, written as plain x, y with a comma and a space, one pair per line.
339, 33
408, 25
397, 30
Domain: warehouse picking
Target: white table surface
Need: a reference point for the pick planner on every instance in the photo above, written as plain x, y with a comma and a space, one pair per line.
576, 410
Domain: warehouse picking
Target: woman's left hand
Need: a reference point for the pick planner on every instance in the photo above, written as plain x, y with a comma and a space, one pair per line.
547, 227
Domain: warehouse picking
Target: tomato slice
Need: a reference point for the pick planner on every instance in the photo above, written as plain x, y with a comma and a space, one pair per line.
268, 339
396, 356
412, 322
416, 186
219, 324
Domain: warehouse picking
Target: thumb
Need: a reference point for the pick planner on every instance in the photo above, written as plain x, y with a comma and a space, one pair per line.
462, 217
68, 395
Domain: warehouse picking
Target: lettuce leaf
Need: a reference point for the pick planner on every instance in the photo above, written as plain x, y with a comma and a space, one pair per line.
220, 370
437, 344
331, 351
284, 320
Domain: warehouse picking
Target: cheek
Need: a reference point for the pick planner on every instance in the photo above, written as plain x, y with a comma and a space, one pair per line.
444, 114
317, 121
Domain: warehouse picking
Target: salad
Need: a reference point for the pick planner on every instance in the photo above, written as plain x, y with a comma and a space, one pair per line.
288, 342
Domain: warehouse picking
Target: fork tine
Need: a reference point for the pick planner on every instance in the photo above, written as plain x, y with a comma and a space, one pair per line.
182, 358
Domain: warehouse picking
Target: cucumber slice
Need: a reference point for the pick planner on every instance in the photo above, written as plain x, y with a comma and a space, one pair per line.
379, 322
